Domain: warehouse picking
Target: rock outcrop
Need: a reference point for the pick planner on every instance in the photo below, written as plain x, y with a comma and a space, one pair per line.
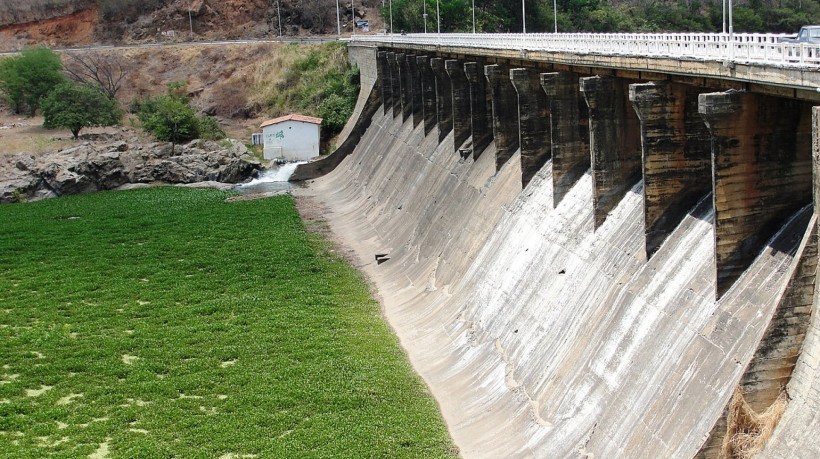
106, 165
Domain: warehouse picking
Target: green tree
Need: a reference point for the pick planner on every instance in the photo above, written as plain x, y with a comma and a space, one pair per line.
75, 107
26, 79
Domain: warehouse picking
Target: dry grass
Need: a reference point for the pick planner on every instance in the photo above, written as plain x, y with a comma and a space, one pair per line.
748, 431
275, 74
28, 135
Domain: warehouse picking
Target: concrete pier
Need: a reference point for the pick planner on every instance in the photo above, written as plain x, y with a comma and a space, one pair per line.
569, 128
406, 86
615, 143
505, 113
533, 122
462, 118
428, 93
415, 89
395, 83
677, 158
444, 98
762, 172
386, 82
481, 107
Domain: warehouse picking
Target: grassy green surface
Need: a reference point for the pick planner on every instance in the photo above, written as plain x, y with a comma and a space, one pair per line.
167, 323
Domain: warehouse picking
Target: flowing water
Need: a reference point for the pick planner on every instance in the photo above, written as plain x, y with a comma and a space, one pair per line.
273, 179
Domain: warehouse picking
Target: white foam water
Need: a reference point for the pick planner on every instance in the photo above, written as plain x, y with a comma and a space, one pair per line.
273, 179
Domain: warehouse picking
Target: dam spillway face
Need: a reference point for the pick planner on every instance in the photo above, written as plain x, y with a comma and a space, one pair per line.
581, 263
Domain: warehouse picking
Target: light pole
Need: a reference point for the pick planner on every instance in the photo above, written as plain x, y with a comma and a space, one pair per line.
724, 16
473, 16
338, 20
731, 34
391, 17
353, 8
555, 12
523, 17
438, 17
424, 2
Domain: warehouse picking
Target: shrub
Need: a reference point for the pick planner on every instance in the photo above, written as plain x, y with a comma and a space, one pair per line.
209, 129
172, 121
168, 117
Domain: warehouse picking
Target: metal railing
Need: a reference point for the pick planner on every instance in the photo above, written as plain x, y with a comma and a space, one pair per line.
766, 49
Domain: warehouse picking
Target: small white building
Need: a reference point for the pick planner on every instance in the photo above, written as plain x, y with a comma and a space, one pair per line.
291, 137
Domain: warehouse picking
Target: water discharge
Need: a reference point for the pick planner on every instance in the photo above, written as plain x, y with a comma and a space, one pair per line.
273, 179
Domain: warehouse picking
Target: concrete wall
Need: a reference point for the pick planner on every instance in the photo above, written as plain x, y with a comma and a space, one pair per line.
363, 57
543, 329
369, 101
291, 141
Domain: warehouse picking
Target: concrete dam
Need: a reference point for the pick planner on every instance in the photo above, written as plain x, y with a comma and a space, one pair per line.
590, 255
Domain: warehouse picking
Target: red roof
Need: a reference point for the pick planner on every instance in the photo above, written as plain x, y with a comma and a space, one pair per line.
303, 118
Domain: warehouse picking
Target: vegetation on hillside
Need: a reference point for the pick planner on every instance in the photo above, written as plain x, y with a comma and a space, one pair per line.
26, 79
320, 82
605, 15
171, 118
168, 323
34, 79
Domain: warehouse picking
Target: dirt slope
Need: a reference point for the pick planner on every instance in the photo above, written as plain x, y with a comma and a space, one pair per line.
32, 22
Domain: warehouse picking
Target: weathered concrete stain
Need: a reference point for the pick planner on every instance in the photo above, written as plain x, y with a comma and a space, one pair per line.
614, 142
761, 164
677, 158
533, 122
569, 130
444, 98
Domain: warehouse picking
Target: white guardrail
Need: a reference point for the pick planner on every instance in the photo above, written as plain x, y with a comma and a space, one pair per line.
743, 48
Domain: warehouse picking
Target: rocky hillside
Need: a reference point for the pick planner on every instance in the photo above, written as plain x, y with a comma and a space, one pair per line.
109, 162
27, 11
83, 22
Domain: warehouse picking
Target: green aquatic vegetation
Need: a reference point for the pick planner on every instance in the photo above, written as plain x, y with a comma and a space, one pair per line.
167, 322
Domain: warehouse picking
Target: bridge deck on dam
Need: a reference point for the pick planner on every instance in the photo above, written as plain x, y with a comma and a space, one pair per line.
587, 266
758, 59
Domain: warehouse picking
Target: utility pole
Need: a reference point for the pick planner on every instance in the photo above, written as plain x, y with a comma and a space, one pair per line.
523, 17
279, 15
338, 20
190, 20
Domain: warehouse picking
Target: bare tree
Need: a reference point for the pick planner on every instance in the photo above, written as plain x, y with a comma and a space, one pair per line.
101, 69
